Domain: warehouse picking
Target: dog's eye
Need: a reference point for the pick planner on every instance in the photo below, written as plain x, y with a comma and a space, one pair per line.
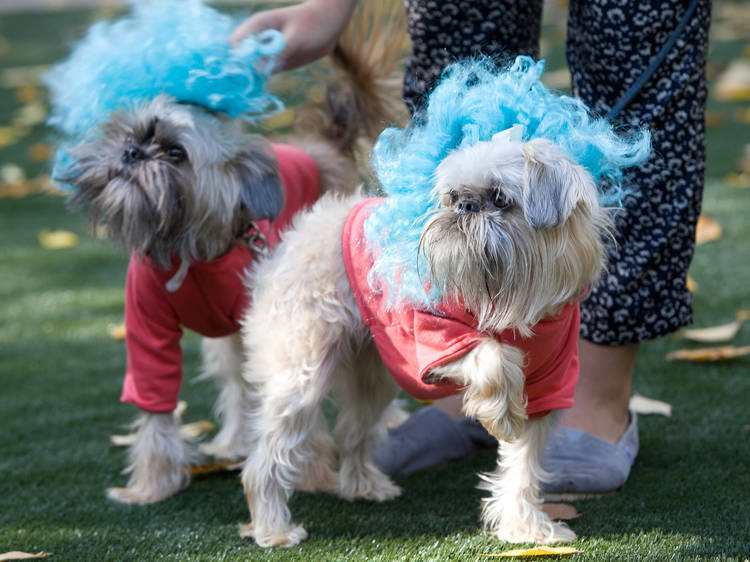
500, 200
176, 152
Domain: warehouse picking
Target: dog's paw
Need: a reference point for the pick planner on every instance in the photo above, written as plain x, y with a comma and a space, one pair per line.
548, 533
367, 485
136, 496
291, 536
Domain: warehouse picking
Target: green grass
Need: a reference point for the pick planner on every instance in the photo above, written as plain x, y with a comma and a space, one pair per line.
688, 497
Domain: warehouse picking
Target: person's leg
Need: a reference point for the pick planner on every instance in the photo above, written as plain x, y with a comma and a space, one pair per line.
451, 30
603, 391
644, 293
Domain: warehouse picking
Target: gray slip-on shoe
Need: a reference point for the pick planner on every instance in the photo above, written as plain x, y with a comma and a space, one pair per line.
430, 437
579, 463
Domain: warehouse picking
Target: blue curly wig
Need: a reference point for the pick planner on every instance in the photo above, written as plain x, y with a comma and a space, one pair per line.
474, 100
177, 47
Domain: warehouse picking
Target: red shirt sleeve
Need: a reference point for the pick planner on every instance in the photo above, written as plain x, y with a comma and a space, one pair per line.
154, 365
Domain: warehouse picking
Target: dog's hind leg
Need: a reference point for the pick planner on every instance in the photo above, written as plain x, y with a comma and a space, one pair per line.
364, 393
290, 365
513, 512
222, 360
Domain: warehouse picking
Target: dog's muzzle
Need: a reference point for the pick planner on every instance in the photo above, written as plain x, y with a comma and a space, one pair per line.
133, 154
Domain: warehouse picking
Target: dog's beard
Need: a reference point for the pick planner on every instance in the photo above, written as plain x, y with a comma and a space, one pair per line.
142, 208
475, 258
505, 272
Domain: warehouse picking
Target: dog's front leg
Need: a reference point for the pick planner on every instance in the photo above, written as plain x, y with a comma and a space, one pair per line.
158, 461
513, 512
493, 376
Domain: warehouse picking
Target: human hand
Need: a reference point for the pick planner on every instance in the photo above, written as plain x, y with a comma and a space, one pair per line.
310, 29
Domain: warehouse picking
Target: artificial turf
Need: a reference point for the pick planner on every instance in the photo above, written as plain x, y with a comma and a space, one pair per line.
688, 497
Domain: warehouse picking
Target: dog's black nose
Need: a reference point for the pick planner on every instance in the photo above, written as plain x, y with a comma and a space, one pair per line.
132, 154
466, 206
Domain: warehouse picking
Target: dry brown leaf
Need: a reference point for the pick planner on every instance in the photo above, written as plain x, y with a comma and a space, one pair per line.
116, 332
709, 353
560, 511
40, 152
715, 119
707, 230
647, 406
195, 429
537, 551
18, 555
742, 315
57, 239
742, 115
219, 466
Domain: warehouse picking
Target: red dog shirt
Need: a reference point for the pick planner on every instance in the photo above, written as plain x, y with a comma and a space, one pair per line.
412, 342
210, 300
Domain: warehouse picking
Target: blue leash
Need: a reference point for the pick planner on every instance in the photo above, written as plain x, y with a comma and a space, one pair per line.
628, 96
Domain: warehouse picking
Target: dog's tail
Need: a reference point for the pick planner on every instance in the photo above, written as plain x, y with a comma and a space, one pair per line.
363, 95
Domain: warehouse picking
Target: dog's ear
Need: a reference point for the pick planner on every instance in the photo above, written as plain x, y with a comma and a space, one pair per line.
261, 193
551, 184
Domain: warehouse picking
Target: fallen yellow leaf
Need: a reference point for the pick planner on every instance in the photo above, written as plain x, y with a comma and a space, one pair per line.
57, 239
714, 334
280, 120
179, 411
537, 551
7, 136
707, 230
187, 431
30, 114
27, 93
691, 284
742, 315
219, 466
17, 190
737, 181
646, 406
709, 353
734, 83
12, 173
116, 332
18, 555
195, 429
560, 511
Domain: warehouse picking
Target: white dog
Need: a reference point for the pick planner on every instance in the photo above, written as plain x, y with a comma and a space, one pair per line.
514, 242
